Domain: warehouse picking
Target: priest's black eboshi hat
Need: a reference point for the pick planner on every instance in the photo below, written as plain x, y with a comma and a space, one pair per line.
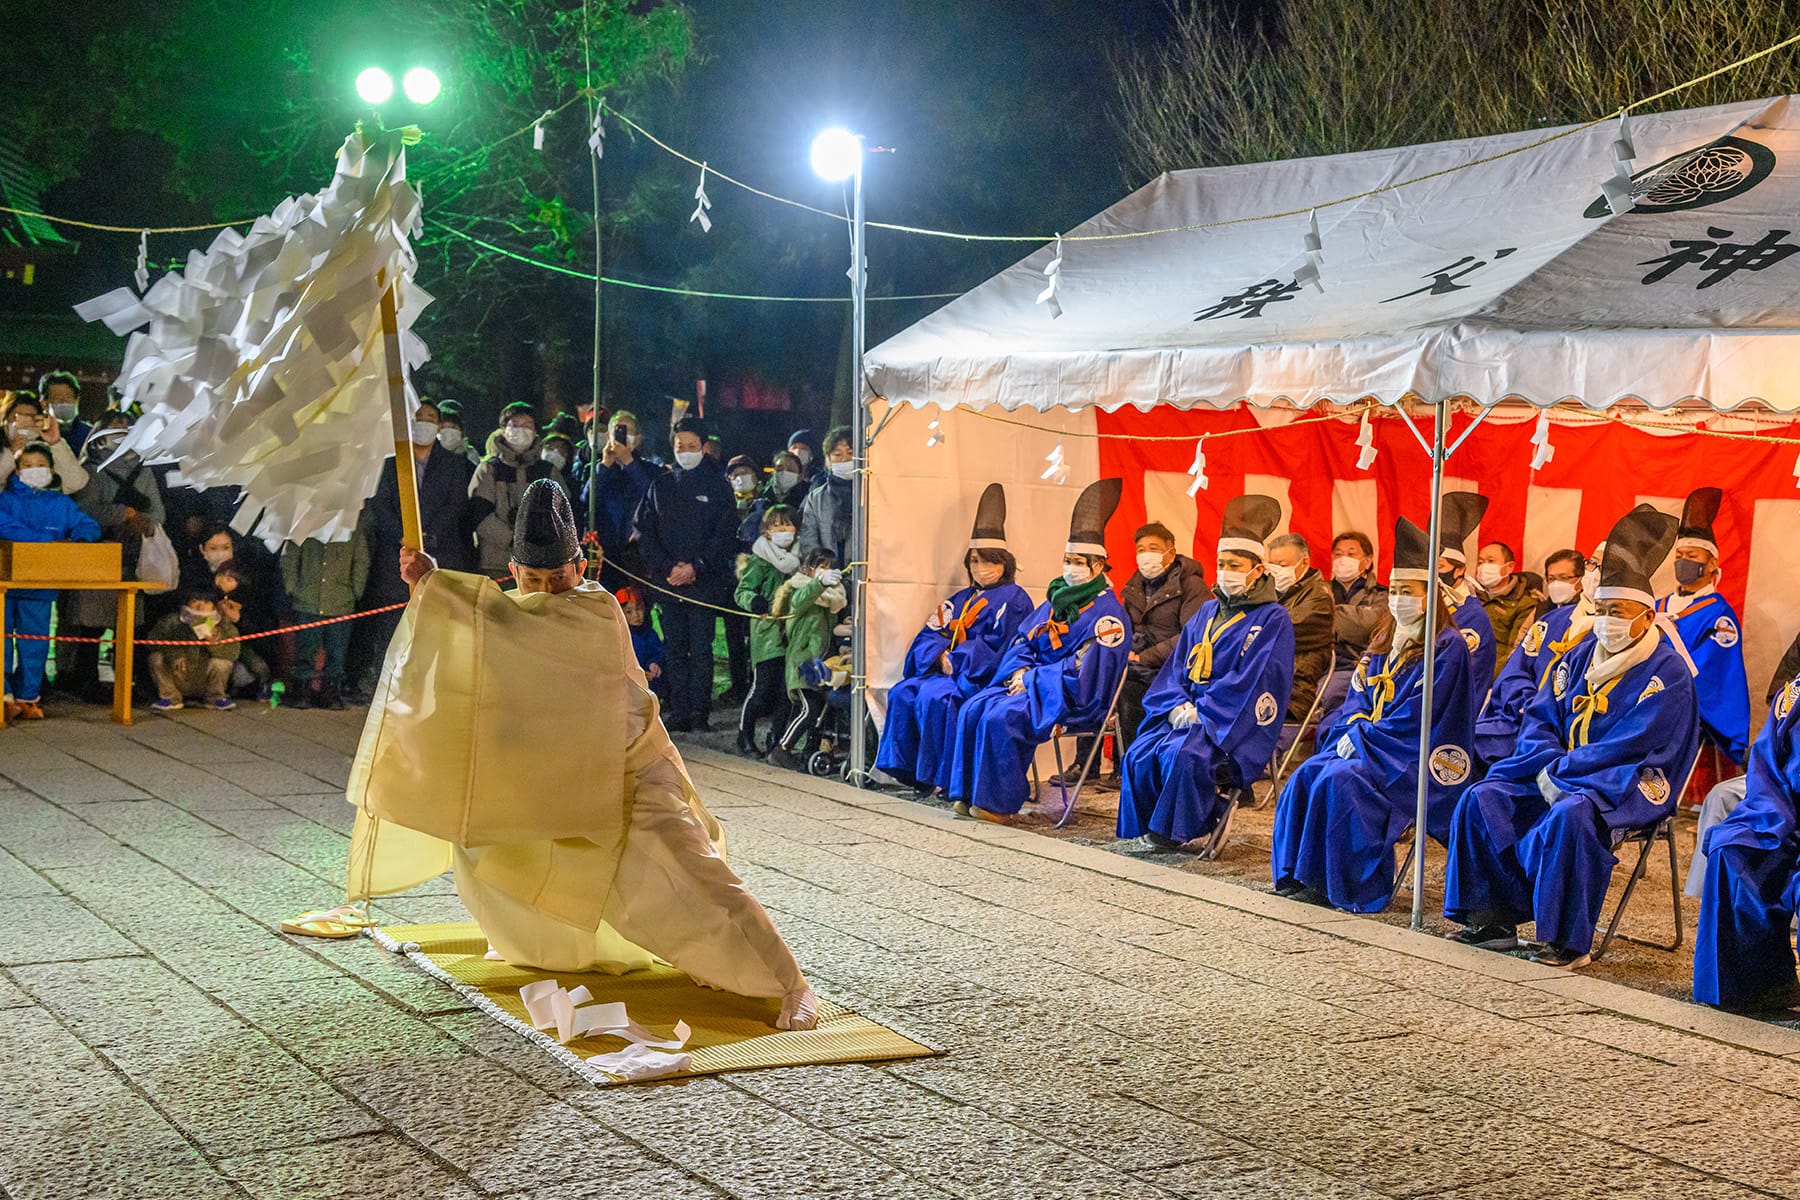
544, 529
1635, 548
1697, 517
1461, 513
989, 532
1087, 525
1248, 522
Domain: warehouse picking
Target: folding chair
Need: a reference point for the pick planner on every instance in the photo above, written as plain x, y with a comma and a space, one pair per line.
1283, 763
1214, 844
1109, 727
1645, 839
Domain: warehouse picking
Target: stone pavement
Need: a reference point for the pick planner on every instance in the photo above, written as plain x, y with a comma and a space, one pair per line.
1111, 1027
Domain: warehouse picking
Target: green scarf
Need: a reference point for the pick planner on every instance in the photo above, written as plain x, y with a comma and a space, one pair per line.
1066, 601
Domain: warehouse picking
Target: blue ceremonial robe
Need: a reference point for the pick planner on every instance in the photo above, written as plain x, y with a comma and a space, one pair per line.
1713, 636
1615, 764
1240, 688
1484, 651
974, 628
1345, 807
1744, 947
1070, 677
1527, 668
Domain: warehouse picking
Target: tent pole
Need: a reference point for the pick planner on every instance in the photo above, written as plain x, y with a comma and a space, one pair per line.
1432, 592
859, 487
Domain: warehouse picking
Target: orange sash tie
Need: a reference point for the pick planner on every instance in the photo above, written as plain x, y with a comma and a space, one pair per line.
959, 628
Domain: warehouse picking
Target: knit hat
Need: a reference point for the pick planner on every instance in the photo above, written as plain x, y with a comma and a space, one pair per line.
544, 530
1087, 524
1249, 520
1635, 548
990, 520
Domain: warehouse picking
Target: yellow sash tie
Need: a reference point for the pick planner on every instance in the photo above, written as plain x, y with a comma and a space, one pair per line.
1557, 650
1380, 689
1586, 707
959, 628
1200, 658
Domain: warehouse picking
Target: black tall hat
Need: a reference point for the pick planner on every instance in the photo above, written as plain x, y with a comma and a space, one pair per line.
990, 520
1249, 520
544, 529
1462, 512
1697, 517
1635, 548
1413, 561
1087, 525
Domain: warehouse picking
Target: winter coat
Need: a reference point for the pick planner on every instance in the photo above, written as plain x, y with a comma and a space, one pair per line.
325, 578
809, 624
690, 517
1310, 605
621, 490
1361, 608
127, 483
443, 501
30, 515
825, 519
495, 489
1159, 610
63, 461
173, 629
1511, 613
750, 526
757, 581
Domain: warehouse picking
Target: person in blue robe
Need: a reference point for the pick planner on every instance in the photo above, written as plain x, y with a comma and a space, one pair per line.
1063, 668
1345, 808
1710, 629
1744, 946
1461, 513
1602, 751
1213, 714
955, 655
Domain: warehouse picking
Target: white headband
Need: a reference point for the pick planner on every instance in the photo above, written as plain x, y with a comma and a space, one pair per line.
1454, 555
1085, 548
1685, 543
1409, 575
1237, 545
987, 544
1625, 593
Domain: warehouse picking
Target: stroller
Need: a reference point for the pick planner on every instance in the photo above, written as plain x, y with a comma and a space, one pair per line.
832, 674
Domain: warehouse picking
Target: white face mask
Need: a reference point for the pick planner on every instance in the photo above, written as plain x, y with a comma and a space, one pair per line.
1489, 575
801, 453
519, 437
1613, 633
556, 458
424, 432
843, 470
1284, 577
65, 412
687, 460
451, 440
1233, 583
1407, 610
216, 558
743, 485
1076, 574
36, 477
781, 539
1345, 569
985, 574
1150, 565
1561, 591
785, 481
1590, 583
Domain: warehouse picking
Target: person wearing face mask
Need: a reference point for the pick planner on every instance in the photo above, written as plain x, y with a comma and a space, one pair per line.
24, 421
200, 667
126, 501
807, 604
452, 434
321, 580
1710, 629
61, 392
594, 861
1062, 668
34, 509
744, 477
442, 477
1360, 603
1527, 668
805, 449
514, 461
1307, 597
1600, 752
825, 516
686, 532
1214, 712
955, 655
760, 573
1160, 598
784, 486
623, 478
1461, 514
1508, 597
1343, 810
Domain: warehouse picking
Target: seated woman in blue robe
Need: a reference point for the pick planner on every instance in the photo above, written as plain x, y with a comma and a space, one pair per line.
955, 655
1063, 668
1345, 808
1461, 514
1744, 948
1213, 713
1602, 751
1528, 667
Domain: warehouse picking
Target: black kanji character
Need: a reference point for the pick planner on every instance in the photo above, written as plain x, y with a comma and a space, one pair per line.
1443, 281
1251, 301
1719, 259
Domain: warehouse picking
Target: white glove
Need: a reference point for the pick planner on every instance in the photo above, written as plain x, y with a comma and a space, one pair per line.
799, 1010
1183, 715
1546, 788
831, 577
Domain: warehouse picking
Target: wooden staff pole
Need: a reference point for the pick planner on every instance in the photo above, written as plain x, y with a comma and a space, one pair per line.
404, 475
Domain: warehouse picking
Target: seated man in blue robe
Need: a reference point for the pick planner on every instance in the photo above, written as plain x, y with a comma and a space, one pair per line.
1063, 669
1601, 752
955, 655
1744, 948
1213, 713
1710, 629
1345, 808
1460, 516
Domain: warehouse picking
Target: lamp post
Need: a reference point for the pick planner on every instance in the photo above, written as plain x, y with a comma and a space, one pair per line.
837, 155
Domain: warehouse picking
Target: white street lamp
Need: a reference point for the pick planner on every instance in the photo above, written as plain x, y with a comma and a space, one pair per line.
375, 86
421, 85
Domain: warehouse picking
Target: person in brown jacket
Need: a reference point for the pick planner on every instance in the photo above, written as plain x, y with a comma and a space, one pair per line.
1509, 597
1307, 597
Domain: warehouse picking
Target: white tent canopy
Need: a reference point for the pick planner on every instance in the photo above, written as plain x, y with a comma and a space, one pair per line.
1510, 278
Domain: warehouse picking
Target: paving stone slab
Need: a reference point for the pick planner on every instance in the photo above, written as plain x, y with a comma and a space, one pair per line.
56, 929
377, 1167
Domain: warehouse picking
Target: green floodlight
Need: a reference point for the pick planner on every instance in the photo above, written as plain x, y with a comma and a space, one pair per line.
421, 85
376, 86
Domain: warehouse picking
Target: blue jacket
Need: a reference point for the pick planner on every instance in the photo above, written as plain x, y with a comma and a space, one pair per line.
28, 514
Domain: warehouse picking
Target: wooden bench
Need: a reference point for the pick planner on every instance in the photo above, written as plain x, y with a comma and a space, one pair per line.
78, 566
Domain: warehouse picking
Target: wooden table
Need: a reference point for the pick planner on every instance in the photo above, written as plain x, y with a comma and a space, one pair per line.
123, 628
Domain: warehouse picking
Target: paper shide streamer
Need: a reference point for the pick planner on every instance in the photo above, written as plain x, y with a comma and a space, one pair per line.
1053, 272
1541, 449
1617, 190
597, 139
1058, 470
537, 129
1308, 272
1365, 443
1198, 469
701, 204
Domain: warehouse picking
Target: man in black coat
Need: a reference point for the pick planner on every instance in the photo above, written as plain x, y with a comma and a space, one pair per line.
686, 529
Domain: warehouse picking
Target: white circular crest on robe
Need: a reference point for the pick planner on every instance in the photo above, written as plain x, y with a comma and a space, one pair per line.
1345, 747
1784, 703
1725, 632
1559, 683
941, 619
1474, 640
1266, 709
1449, 765
1650, 689
1109, 631
1534, 638
1653, 784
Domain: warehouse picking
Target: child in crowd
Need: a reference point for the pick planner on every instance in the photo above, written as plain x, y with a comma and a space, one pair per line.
323, 579
34, 509
201, 667
760, 574
810, 599
644, 639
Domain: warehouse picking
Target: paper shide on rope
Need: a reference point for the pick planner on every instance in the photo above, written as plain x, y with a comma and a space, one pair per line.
260, 364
